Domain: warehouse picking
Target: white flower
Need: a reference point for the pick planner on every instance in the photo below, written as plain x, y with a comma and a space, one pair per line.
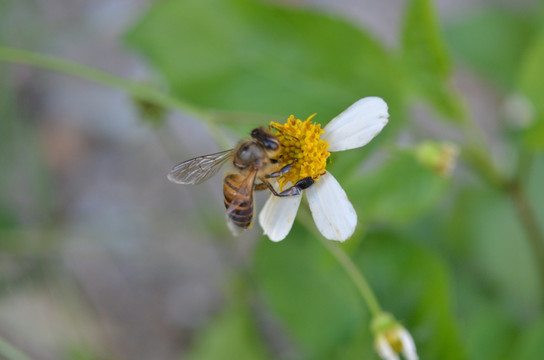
331, 209
394, 341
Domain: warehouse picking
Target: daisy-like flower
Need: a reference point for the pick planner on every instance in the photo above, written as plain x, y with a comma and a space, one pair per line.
392, 339
306, 147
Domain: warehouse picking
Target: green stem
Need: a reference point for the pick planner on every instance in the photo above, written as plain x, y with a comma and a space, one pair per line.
476, 155
9, 352
137, 91
356, 276
482, 164
530, 224
345, 261
70, 68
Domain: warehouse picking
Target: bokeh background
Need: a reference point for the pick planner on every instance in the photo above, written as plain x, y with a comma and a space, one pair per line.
102, 258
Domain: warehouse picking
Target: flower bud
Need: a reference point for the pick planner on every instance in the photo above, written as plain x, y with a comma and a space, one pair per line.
392, 339
438, 156
518, 112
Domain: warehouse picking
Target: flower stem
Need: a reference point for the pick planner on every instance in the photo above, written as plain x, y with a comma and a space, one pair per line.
355, 274
70, 68
530, 224
137, 91
481, 162
9, 352
345, 261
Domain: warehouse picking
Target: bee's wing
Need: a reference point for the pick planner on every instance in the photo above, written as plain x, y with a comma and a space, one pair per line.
245, 189
199, 169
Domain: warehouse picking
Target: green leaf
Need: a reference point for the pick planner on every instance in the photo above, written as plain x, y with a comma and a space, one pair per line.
531, 84
232, 336
534, 136
252, 56
530, 345
413, 284
312, 295
497, 284
531, 80
489, 333
397, 192
493, 42
309, 293
490, 247
424, 53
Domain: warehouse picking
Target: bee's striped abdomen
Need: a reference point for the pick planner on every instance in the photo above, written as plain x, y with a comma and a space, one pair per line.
238, 196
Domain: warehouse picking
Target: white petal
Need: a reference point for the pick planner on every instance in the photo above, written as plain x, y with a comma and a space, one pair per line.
408, 345
333, 213
278, 215
357, 125
384, 349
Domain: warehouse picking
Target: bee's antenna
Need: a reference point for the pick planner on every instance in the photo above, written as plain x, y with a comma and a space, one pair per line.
275, 127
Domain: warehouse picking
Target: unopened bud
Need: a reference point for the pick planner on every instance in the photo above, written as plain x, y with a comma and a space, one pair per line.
518, 112
392, 339
438, 156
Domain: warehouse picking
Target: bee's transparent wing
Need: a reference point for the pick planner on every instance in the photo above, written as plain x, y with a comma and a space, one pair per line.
199, 169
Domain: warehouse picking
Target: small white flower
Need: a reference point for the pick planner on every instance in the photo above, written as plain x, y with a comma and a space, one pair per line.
396, 341
392, 339
306, 144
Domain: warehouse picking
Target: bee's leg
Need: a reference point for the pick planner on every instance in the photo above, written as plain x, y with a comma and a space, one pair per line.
284, 170
270, 187
293, 190
298, 187
260, 187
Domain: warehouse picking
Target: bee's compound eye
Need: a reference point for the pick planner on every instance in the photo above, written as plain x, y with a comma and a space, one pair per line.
255, 133
272, 145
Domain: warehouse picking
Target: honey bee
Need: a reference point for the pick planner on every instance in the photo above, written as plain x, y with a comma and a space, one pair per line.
256, 160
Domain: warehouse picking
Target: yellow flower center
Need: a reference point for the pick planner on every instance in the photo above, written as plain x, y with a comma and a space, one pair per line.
303, 148
394, 341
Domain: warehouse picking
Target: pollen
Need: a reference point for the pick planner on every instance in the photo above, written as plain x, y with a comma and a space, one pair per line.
394, 340
303, 148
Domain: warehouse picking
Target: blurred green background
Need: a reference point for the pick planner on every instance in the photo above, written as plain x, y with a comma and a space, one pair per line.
102, 258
